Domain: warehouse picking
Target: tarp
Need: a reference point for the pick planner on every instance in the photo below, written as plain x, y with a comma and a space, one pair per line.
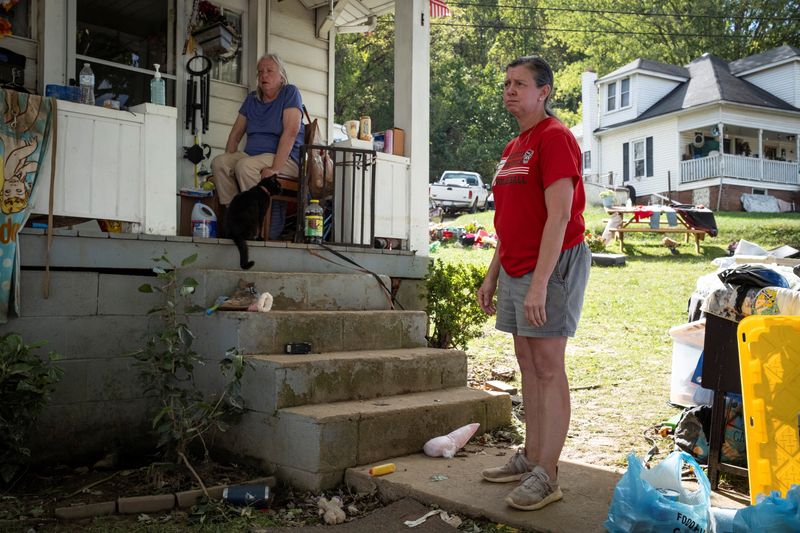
24, 131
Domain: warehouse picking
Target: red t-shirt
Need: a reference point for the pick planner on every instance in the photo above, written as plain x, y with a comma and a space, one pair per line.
532, 161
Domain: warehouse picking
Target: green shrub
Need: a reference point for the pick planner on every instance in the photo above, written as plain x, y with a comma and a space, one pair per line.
26, 382
167, 364
453, 311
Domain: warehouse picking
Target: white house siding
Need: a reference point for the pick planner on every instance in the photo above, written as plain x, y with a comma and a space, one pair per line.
292, 31
783, 81
665, 154
618, 115
649, 90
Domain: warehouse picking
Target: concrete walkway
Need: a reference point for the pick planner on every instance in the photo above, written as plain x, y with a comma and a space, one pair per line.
587, 490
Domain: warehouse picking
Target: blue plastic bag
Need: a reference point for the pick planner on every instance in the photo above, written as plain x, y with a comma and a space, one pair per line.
771, 514
639, 506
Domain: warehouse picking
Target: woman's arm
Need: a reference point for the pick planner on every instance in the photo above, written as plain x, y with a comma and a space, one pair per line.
558, 200
292, 117
489, 285
237, 131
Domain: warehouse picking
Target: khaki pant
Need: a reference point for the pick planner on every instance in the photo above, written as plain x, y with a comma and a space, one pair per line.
238, 171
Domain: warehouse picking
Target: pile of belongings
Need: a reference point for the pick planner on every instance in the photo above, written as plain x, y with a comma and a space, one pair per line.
471, 236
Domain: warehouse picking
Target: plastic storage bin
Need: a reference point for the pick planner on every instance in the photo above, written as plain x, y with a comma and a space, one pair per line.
687, 345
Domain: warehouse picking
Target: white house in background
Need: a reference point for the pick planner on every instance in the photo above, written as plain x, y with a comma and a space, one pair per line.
704, 134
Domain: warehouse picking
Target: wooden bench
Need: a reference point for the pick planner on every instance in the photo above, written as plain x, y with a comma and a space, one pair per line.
699, 234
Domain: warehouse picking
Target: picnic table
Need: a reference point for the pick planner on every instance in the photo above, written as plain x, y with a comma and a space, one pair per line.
686, 220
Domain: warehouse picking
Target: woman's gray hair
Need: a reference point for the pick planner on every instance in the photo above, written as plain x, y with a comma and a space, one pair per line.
281, 67
542, 75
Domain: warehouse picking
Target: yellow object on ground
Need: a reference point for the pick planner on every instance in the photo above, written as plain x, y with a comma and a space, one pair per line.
769, 361
381, 470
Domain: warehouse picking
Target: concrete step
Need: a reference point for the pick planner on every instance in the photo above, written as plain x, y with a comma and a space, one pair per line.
298, 290
311, 446
327, 331
279, 381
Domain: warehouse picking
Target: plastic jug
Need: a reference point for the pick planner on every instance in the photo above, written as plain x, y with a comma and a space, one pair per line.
204, 221
157, 88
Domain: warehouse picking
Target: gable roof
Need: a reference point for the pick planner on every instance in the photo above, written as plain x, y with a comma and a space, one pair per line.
710, 80
776, 55
648, 65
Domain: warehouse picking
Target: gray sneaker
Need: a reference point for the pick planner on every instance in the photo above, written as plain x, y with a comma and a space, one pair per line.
511, 471
534, 492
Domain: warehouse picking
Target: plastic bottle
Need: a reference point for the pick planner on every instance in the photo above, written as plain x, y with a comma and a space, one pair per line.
204, 221
86, 78
314, 224
157, 88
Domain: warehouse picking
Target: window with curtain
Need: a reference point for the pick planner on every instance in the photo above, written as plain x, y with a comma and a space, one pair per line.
624, 92
122, 42
612, 96
638, 158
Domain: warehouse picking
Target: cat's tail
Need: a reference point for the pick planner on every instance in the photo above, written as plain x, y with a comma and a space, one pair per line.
243, 255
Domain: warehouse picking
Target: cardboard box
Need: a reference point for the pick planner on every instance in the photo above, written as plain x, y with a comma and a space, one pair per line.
399, 139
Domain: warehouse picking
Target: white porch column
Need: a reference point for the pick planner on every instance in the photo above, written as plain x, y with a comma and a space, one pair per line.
411, 108
54, 44
761, 154
721, 129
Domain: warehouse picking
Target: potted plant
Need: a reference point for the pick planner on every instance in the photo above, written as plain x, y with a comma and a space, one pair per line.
596, 243
607, 197
212, 32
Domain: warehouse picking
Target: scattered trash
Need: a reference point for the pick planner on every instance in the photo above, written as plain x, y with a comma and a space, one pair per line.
352, 509
382, 470
438, 477
219, 301
331, 510
448, 445
449, 519
256, 496
671, 245
770, 514
263, 304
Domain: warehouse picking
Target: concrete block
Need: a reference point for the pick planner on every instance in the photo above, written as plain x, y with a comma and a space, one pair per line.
52, 331
188, 498
146, 504
71, 294
77, 512
104, 336
378, 329
119, 295
329, 443
346, 291
113, 379
254, 437
410, 294
71, 388
498, 410
82, 431
311, 481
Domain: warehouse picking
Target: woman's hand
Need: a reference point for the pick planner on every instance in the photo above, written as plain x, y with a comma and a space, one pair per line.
534, 302
486, 295
267, 172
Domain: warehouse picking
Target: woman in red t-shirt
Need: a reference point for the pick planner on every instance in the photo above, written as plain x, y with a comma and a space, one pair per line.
539, 272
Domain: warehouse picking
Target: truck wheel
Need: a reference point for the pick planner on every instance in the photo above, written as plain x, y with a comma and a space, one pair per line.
474, 207
484, 206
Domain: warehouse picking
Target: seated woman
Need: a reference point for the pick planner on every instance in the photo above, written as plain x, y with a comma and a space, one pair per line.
273, 120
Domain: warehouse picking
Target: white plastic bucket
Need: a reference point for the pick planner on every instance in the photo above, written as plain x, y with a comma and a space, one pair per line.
687, 345
204, 221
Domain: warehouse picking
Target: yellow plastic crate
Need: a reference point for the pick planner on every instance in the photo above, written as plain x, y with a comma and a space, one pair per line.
769, 361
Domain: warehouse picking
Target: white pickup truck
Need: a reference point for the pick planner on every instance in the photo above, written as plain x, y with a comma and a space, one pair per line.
460, 191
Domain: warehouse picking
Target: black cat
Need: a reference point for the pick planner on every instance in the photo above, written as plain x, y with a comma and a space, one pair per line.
245, 214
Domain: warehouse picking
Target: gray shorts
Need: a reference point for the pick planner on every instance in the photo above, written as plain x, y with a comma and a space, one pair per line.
565, 290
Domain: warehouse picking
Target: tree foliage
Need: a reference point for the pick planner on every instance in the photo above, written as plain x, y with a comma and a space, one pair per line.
469, 126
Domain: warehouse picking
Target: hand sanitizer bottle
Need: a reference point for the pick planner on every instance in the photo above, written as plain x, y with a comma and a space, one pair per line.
157, 89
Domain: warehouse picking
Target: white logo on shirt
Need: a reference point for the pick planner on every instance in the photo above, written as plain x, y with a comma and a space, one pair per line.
527, 156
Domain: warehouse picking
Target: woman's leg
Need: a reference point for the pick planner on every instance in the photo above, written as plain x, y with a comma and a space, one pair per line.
222, 170
545, 392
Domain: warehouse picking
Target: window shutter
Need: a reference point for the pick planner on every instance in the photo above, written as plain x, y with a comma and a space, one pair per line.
648, 165
626, 164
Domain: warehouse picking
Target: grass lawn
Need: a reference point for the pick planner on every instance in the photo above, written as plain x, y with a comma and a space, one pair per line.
619, 363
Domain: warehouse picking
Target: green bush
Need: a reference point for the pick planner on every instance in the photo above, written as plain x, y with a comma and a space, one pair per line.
453, 311
26, 382
166, 365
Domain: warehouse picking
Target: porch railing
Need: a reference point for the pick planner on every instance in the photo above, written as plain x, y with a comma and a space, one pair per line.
733, 166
